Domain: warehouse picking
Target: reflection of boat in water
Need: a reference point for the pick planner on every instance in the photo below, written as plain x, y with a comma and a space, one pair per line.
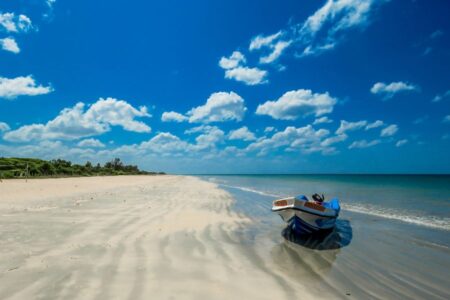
311, 256
305, 216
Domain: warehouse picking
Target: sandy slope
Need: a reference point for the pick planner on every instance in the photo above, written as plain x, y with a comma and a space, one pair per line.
133, 237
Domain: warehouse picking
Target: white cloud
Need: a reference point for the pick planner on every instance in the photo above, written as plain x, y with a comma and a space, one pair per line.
401, 143
389, 90
9, 44
76, 122
322, 120
21, 86
249, 76
219, 107
278, 49
242, 133
272, 43
441, 97
263, 41
235, 60
350, 126
90, 143
211, 136
12, 23
305, 139
389, 131
333, 140
4, 127
363, 144
326, 27
269, 129
446, 119
173, 116
50, 150
165, 142
376, 124
299, 103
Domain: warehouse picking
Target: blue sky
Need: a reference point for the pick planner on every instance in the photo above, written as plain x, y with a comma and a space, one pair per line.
229, 86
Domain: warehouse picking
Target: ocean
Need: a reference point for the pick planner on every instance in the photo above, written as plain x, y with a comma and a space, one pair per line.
422, 200
392, 237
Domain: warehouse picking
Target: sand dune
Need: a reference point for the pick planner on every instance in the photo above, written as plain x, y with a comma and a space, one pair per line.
136, 237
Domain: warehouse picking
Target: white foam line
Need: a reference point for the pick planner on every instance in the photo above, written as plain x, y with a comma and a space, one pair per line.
251, 190
432, 222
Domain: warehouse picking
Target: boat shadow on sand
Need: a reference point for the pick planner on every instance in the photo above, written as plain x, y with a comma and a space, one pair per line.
298, 255
340, 236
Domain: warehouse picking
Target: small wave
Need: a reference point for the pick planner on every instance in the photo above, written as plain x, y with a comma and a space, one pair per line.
428, 221
431, 222
246, 189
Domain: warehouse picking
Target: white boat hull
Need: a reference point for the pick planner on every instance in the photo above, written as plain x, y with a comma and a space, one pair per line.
304, 216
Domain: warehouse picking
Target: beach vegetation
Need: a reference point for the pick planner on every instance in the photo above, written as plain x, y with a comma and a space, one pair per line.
13, 167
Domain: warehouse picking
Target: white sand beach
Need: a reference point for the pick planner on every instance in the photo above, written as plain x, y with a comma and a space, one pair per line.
128, 237
179, 237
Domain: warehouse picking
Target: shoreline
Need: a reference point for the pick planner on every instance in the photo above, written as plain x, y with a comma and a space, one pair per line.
134, 237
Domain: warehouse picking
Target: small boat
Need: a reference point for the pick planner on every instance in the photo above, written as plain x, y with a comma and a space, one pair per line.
306, 216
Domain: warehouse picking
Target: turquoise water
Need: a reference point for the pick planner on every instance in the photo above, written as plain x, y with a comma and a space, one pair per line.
391, 240
421, 200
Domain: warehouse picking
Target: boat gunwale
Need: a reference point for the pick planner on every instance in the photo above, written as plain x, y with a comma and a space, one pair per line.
276, 209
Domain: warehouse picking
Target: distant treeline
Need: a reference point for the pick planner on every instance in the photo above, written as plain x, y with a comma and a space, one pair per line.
31, 167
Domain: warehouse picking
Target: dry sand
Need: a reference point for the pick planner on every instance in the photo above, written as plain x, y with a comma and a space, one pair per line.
133, 237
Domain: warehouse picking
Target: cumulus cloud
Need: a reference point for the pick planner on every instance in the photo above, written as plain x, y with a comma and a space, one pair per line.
376, 124
235, 69
90, 143
165, 142
305, 139
219, 107
9, 44
363, 144
242, 133
11, 88
210, 137
12, 23
233, 61
49, 150
299, 103
322, 120
389, 131
350, 126
4, 127
333, 140
173, 116
401, 143
249, 76
389, 90
441, 97
78, 122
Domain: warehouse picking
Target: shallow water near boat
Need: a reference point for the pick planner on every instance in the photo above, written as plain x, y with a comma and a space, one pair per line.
391, 240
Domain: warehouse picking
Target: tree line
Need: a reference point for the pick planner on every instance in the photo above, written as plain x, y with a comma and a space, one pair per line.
32, 167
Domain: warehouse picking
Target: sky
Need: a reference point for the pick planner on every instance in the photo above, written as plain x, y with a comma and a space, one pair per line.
330, 86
